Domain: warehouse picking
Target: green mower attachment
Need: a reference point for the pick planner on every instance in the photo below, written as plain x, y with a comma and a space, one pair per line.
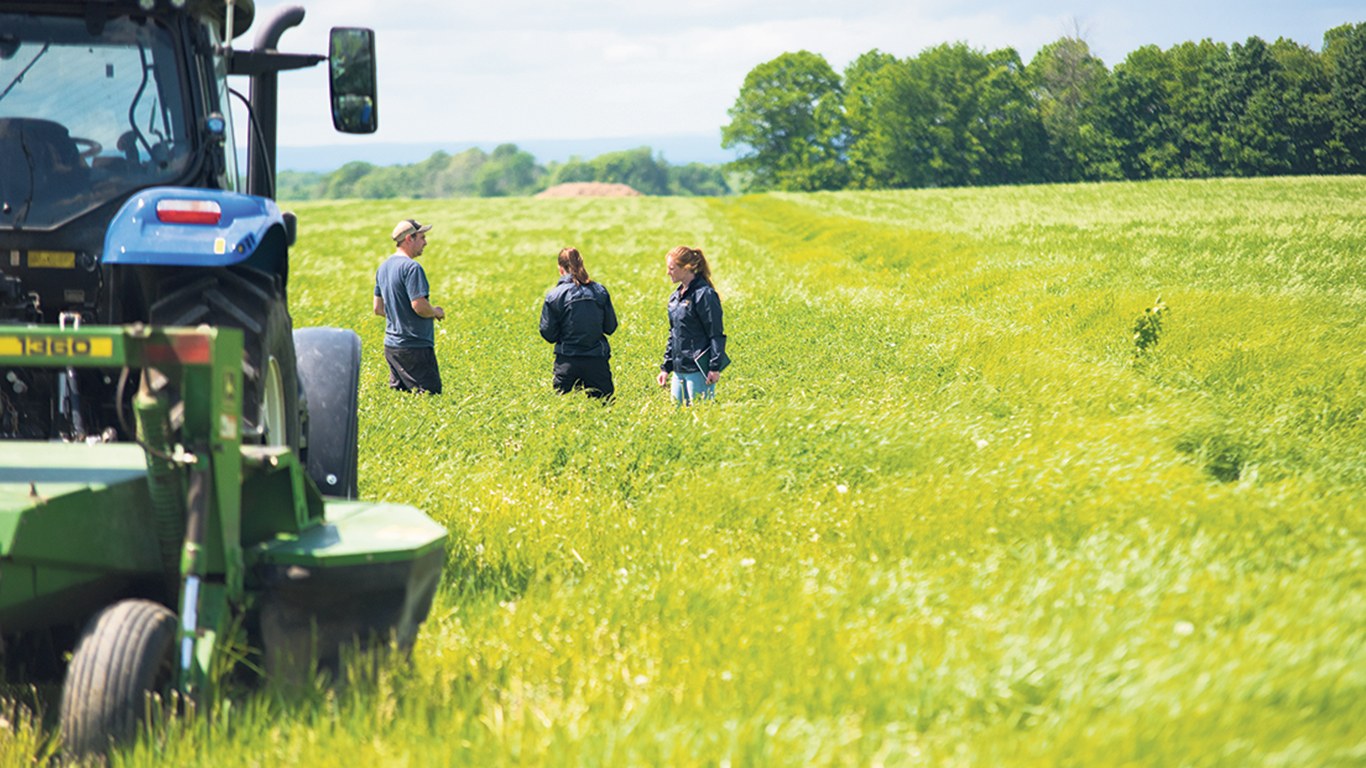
173, 548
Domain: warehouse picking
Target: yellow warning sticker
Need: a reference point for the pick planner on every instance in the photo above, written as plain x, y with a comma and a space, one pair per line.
55, 346
52, 259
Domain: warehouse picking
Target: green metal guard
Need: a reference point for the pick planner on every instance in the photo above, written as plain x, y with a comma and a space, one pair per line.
232, 532
206, 364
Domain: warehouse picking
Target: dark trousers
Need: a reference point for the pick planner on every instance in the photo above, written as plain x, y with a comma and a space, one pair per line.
413, 369
591, 374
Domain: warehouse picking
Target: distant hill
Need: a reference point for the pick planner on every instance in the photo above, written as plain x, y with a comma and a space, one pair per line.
508, 171
677, 150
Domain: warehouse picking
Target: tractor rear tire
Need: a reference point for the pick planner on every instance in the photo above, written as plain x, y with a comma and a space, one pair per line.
329, 376
240, 297
126, 652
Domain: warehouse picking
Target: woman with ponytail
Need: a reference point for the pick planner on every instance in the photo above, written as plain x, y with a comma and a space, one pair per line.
695, 354
577, 318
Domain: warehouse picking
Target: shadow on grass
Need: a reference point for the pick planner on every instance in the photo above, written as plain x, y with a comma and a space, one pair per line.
469, 574
1219, 455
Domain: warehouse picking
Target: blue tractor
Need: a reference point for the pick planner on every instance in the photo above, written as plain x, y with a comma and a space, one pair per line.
121, 200
141, 274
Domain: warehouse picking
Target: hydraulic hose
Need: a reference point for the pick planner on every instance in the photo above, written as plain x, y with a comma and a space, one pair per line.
165, 478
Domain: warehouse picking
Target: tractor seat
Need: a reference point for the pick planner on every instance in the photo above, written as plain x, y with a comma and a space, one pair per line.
51, 158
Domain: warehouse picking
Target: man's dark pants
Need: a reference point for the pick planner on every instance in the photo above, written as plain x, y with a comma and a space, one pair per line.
413, 369
591, 374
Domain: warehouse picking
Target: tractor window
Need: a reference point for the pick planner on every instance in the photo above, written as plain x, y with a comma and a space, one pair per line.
87, 113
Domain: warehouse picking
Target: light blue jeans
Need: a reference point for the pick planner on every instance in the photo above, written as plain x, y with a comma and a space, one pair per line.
686, 387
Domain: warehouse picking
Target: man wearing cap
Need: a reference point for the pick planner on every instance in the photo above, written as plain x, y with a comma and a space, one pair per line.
401, 299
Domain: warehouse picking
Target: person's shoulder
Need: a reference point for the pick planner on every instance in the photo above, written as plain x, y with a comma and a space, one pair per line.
706, 299
558, 289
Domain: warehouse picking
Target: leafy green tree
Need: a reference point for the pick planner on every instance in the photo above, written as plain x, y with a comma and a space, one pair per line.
576, 170
636, 168
1344, 53
872, 84
299, 185
951, 116
1200, 68
1143, 115
1246, 107
1258, 110
1070, 85
455, 175
1304, 91
1207, 109
341, 183
509, 171
382, 183
1010, 125
968, 118
790, 115
641, 170
697, 179
1160, 110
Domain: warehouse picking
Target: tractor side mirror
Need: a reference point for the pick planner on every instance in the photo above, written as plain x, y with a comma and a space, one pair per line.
351, 65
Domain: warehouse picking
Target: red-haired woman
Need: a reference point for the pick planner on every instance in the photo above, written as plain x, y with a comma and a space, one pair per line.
577, 318
696, 352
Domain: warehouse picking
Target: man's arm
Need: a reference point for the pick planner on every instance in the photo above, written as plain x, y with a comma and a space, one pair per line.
379, 306
424, 308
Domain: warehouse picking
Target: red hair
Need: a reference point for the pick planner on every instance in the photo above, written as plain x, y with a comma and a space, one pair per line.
572, 263
692, 260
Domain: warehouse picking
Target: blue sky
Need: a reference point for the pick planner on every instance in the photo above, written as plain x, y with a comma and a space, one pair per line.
459, 71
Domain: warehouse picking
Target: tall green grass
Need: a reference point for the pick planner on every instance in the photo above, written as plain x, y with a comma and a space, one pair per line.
940, 513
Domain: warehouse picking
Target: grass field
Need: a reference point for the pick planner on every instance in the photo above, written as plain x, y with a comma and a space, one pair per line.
944, 510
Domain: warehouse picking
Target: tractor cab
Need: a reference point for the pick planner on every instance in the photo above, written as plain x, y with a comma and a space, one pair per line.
95, 108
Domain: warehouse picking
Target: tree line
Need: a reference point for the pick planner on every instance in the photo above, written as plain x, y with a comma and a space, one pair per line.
505, 172
957, 116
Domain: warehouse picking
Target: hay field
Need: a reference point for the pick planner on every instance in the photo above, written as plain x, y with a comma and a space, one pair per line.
944, 511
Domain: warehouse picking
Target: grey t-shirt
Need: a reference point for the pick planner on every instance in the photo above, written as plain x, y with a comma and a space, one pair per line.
398, 281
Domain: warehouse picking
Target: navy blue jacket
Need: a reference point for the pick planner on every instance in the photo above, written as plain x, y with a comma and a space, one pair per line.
578, 318
697, 337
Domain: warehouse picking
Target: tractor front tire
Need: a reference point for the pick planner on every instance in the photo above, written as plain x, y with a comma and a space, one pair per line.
126, 652
329, 376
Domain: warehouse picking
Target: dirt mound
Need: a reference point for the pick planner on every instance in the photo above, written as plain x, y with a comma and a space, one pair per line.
589, 189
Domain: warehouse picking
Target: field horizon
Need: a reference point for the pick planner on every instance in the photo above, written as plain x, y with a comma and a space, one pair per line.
959, 500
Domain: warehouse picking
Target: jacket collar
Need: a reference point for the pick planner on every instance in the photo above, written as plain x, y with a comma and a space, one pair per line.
698, 281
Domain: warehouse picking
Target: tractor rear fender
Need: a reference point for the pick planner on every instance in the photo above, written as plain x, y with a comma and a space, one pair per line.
187, 227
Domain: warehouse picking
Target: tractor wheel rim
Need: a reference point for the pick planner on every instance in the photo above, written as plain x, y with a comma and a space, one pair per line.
273, 407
